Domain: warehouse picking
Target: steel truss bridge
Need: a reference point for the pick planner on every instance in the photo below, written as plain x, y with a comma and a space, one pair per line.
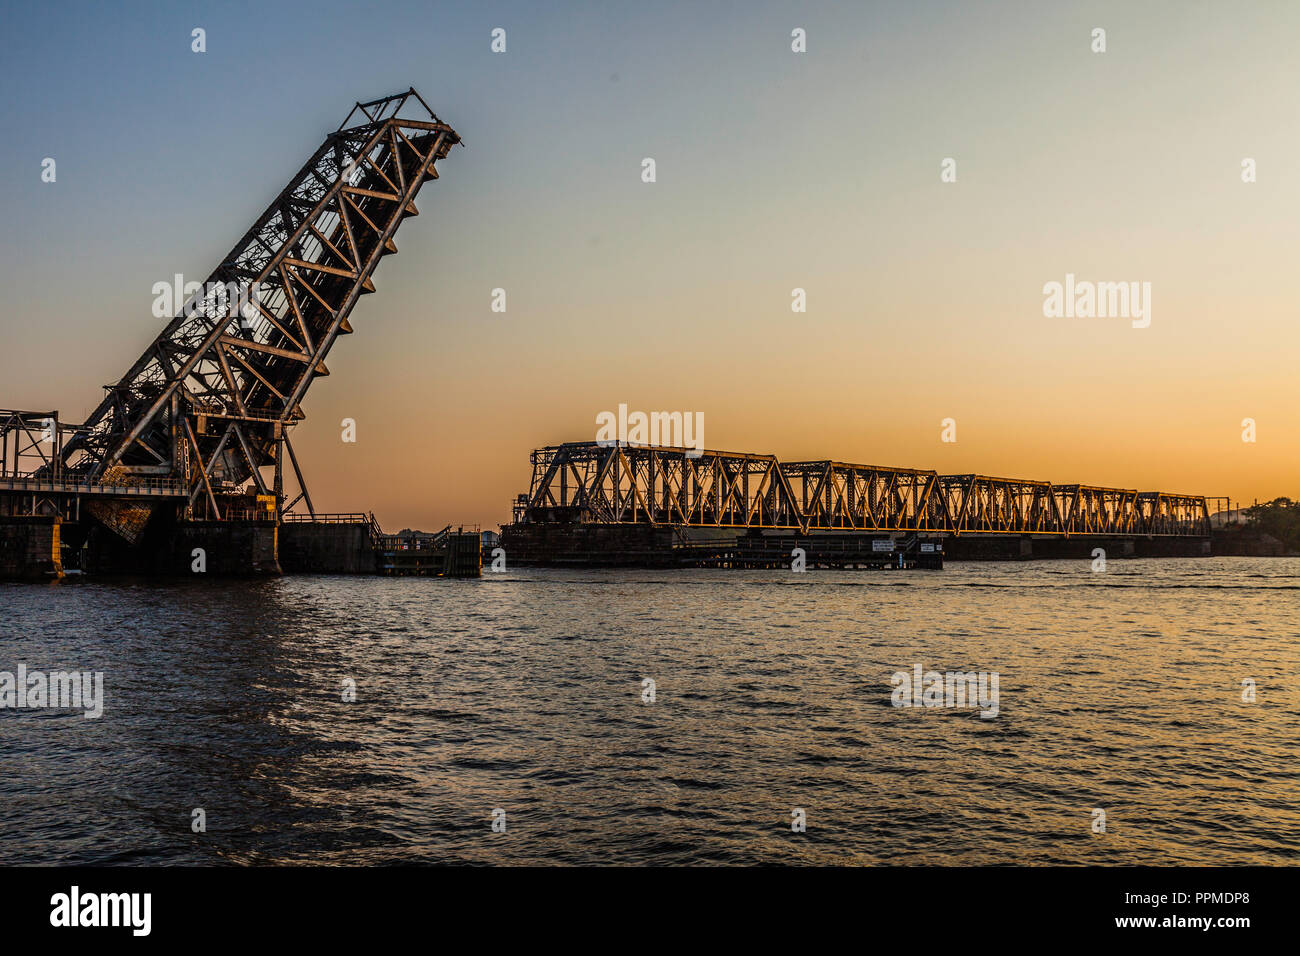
212, 401
595, 483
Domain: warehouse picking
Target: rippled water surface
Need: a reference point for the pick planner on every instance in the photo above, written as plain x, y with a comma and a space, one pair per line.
523, 691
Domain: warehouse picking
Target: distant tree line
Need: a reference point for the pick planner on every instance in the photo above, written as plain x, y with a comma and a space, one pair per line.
1279, 518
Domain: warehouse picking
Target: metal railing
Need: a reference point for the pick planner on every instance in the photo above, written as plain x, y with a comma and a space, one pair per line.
366, 518
422, 541
353, 517
141, 487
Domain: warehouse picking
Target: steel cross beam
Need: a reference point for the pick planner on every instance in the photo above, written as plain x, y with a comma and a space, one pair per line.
225, 379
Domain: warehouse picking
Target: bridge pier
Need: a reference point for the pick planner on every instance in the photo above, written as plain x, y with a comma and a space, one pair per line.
592, 545
1173, 547
992, 548
186, 548
355, 544
328, 547
1027, 547
30, 548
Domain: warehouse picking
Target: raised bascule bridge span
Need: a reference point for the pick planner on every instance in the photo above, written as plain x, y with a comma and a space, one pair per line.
592, 502
190, 445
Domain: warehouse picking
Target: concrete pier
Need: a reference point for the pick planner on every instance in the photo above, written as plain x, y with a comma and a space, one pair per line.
30, 548
182, 548
635, 545
33, 548
327, 548
592, 545
640, 545
1030, 547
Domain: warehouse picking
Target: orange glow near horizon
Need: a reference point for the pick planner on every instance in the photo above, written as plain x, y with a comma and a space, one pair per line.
774, 172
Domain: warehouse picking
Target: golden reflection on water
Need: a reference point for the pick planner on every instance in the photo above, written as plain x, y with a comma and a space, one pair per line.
523, 691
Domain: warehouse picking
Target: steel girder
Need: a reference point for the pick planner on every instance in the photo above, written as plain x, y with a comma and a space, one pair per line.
1162, 514
980, 504
840, 496
216, 392
588, 482
618, 484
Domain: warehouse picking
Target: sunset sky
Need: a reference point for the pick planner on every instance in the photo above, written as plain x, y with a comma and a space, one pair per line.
775, 170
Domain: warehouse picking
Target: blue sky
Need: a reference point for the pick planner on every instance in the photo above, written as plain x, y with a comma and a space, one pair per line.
775, 170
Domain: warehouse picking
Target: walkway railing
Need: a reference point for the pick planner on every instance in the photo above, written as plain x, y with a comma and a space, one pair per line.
366, 518
142, 487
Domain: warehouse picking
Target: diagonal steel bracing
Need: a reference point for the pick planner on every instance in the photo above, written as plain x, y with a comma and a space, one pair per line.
587, 482
211, 400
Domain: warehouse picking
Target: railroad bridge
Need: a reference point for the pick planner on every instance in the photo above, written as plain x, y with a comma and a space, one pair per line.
712, 499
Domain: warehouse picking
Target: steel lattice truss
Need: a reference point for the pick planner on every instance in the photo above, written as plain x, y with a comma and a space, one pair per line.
623, 484
209, 402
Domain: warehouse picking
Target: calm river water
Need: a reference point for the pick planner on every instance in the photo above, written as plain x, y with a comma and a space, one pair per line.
1120, 692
